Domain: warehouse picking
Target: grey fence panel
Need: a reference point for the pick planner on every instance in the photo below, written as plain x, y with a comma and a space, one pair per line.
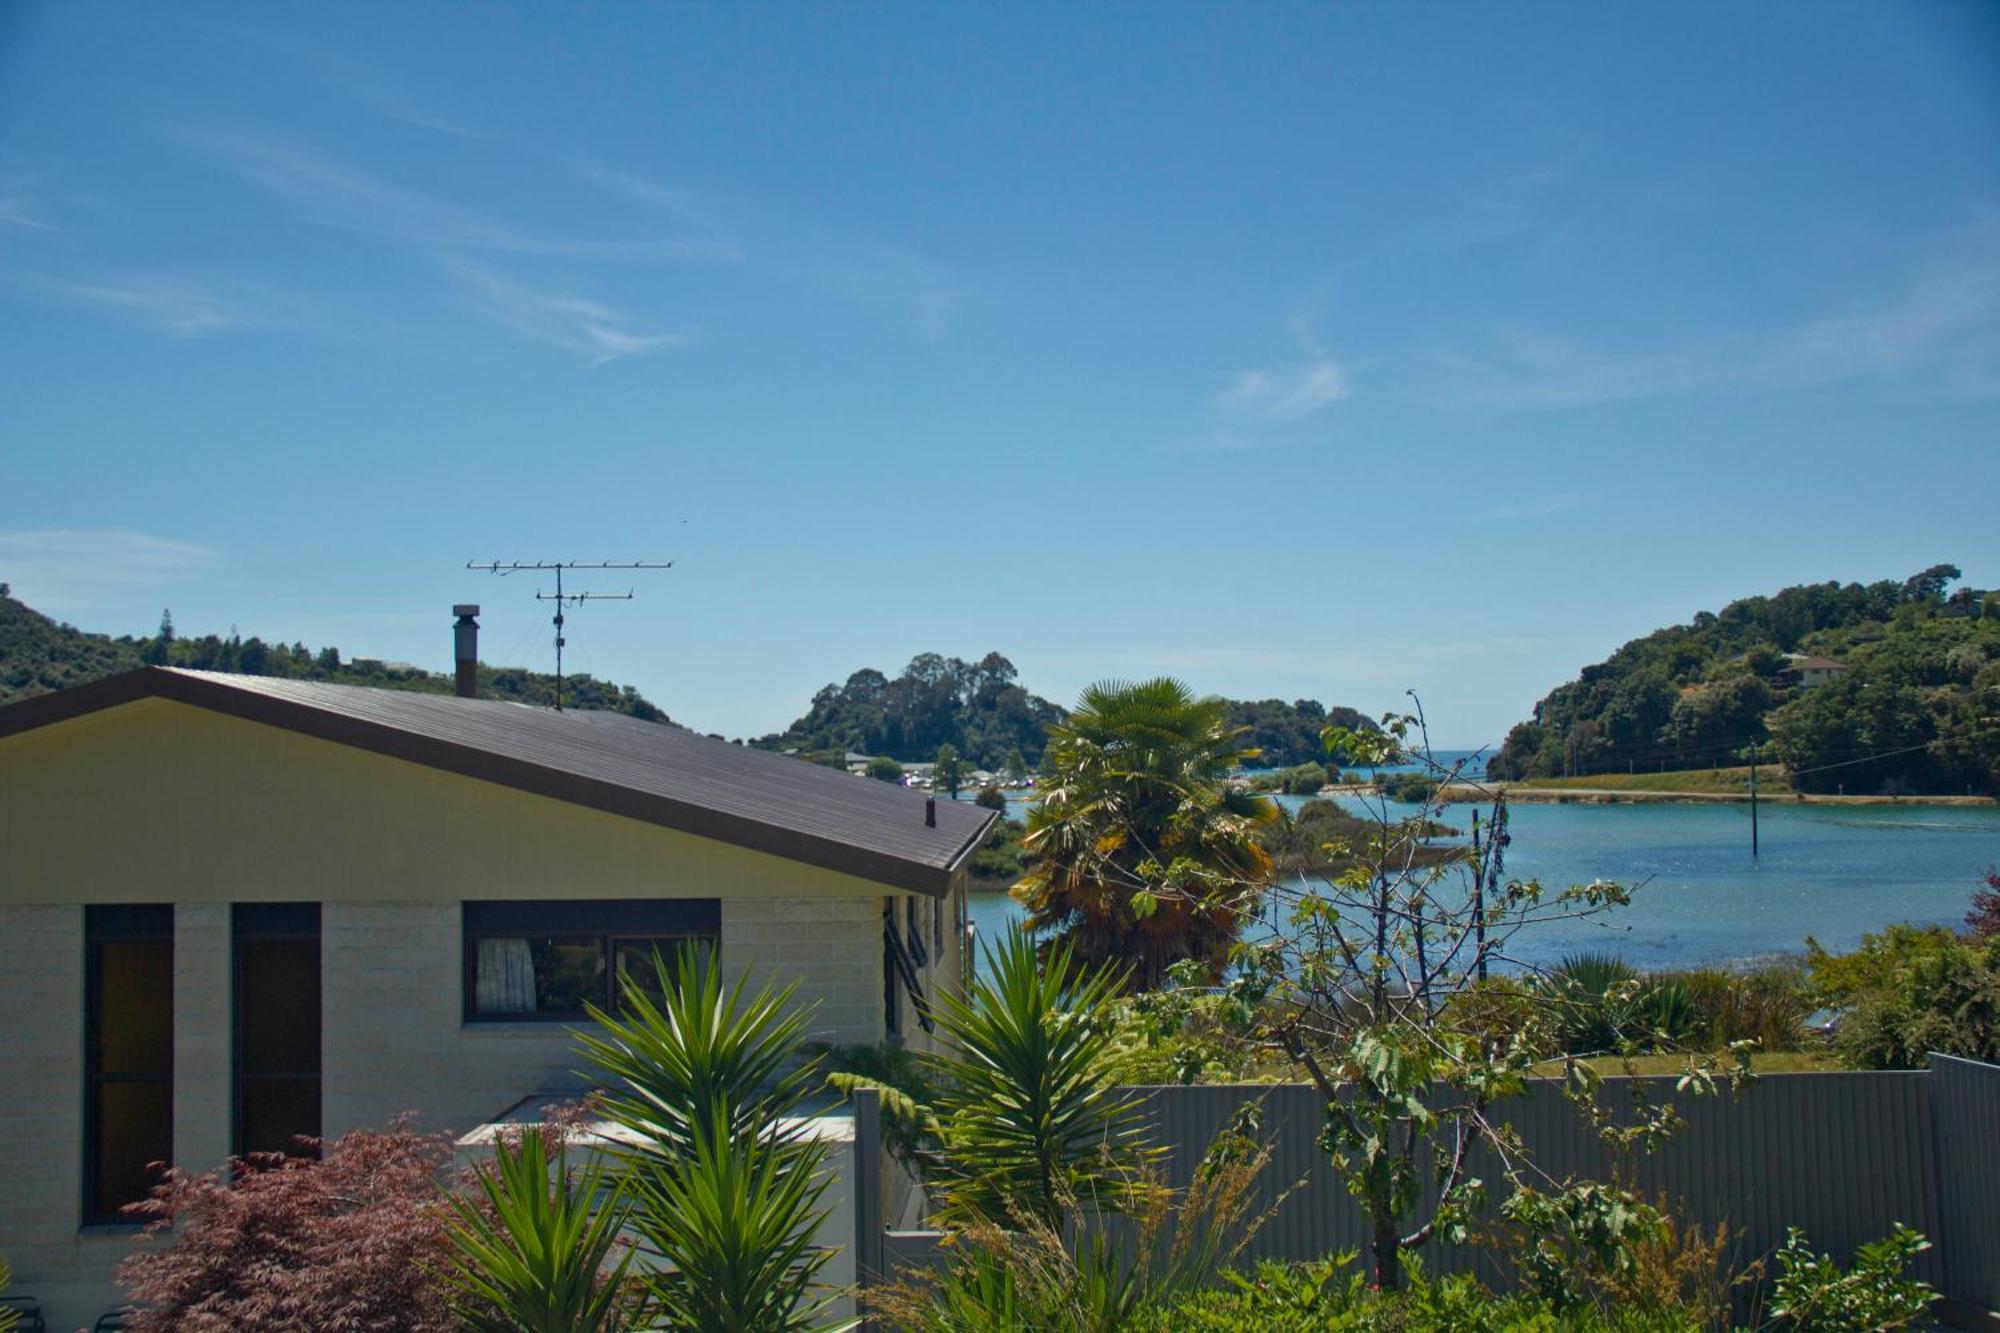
1844, 1156
1965, 1097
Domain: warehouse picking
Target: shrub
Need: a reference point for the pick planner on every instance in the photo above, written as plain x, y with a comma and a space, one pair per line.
1305, 780
1601, 1004
1813, 1294
1024, 1275
1984, 918
1768, 1004
533, 1247
1409, 788
1945, 1000
355, 1239
727, 1187
1325, 1295
991, 798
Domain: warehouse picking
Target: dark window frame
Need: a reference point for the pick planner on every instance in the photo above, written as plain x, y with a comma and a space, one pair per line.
607, 921
268, 921
102, 924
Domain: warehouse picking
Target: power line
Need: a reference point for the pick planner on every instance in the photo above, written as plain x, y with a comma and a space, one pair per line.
563, 598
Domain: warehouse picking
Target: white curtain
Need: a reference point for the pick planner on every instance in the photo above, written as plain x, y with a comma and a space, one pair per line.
505, 982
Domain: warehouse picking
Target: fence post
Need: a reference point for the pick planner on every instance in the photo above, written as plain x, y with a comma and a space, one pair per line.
867, 1103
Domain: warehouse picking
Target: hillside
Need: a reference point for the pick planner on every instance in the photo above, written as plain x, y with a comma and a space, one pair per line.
976, 707
1911, 702
981, 710
38, 655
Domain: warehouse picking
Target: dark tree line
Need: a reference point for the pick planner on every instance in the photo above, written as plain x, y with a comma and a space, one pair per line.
38, 655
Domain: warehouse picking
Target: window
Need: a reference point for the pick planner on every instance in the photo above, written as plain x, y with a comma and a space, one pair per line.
277, 1041
128, 1055
900, 960
544, 961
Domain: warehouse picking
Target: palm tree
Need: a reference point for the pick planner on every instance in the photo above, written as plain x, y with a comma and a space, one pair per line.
1140, 853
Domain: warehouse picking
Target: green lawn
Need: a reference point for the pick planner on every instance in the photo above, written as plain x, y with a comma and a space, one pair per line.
1765, 1062
1731, 781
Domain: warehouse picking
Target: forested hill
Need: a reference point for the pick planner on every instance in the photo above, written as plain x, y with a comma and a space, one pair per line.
981, 710
975, 707
38, 654
1907, 697
1288, 733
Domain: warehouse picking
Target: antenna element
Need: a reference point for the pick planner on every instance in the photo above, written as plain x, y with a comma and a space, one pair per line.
562, 598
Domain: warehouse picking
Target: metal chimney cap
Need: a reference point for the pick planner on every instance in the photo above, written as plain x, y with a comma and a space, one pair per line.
465, 609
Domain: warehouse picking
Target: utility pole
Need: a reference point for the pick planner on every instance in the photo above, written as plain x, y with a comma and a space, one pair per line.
562, 598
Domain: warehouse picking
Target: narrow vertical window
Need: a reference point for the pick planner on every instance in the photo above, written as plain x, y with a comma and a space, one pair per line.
128, 1054
275, 949
892, 1000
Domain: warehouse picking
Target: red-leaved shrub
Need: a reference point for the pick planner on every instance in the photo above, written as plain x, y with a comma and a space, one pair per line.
349, 1242
1984, 918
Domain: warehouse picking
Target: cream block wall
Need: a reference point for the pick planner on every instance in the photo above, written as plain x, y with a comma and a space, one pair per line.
393, 999
203, 1035
41, 1118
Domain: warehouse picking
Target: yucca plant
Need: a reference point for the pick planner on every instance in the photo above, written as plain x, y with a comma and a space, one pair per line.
726, 1190
734, 1224
1030, 1109
537, 1257
702, 1049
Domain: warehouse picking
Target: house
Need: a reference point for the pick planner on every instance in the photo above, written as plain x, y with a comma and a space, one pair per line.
238, 909
1811, 671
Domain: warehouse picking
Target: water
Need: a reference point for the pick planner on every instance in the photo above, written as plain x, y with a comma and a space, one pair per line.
1832, 872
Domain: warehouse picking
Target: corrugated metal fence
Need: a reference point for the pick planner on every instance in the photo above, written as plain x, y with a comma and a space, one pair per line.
1965, 1096
1844, 1156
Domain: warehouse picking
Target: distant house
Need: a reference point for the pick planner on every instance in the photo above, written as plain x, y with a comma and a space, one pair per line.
1811, 671
238, 909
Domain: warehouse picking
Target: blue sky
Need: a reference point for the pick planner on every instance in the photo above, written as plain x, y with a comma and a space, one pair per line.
1294, 350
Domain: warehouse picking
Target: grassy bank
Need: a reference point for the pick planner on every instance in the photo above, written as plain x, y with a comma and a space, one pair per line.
1712, 781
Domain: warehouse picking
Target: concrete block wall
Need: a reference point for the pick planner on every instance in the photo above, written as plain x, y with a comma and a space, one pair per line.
41, 1119
393, 1018
203, 1036
832, 947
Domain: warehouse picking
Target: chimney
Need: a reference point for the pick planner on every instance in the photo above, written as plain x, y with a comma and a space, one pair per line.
930, 812
465, 638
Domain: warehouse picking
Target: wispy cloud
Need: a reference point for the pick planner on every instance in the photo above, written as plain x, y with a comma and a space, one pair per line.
1258, 403
693, 207
172, 305
1288, 393
926, 297
66, 570
330, 193
18, 209
1953, 304
575, 323
396, 107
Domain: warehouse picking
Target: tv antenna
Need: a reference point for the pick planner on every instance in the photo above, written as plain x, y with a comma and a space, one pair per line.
563, 598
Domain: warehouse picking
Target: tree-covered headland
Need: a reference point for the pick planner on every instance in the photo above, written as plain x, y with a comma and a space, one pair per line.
1910, 702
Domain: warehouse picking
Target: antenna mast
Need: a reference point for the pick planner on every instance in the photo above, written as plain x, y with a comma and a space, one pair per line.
562, 598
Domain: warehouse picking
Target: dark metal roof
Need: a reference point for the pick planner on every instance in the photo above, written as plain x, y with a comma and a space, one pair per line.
649, 771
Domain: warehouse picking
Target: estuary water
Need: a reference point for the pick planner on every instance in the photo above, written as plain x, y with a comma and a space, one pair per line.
1832, 872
